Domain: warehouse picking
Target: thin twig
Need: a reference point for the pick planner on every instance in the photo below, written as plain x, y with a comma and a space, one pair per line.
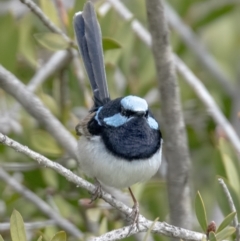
19, 167
38, 12
35, 107
79, 73
29, 226
38, 202
57, 61
232, 206
209, 102
144, 224
218, 116
196, 46
42, 75
137, 27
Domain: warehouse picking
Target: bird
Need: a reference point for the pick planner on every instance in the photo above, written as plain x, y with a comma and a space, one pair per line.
120, 141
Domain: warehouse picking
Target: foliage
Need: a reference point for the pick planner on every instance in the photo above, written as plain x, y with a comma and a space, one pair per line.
223, 231
26, 44
18, 233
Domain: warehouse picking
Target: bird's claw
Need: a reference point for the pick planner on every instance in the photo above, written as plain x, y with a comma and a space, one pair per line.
134, 216
97, 193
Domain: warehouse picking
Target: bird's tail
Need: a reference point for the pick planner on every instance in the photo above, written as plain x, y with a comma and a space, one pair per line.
89, 39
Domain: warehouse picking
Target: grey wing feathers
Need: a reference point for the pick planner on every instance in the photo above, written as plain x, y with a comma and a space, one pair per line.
89, 40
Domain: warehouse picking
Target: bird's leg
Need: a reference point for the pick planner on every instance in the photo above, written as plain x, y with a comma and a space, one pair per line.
98, 191
135, 211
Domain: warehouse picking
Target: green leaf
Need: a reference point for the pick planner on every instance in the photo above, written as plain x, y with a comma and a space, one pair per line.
26, 42
231, 168
109, 43
212, 236
50, 102
60, 236
150, 229
8, 41
201, 212
225, 233
51, 41
43, 142
17, 228
40, 238
103, 228
1, 238
227, 220
50, 10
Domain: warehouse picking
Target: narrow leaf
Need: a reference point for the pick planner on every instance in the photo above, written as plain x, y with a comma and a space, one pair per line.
60, 236
212, 236
225, 233
17, 228
150, 229
51, 41
1, 238
201, 212
227, 220
109, 43
231, 167
40, 238
50, 10
42, 141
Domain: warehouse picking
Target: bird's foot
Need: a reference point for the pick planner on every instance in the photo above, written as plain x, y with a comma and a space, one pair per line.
98, 191
134, 216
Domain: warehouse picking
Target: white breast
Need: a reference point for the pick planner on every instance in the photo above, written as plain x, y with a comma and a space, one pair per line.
96, 161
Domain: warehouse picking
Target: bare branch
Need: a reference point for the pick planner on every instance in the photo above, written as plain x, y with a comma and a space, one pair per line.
232, 206
137, 27
194, 44
40, 204
34, 106
159, 227
57, 61
218, 118
175, 138
29, 226
209, 102
20, 167
38, 12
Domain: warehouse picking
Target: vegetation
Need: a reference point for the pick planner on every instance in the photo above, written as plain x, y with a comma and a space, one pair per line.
26, 47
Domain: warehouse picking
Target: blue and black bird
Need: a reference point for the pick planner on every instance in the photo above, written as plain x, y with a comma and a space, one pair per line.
121, 142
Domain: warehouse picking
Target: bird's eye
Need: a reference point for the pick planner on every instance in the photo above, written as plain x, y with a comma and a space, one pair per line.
123, 111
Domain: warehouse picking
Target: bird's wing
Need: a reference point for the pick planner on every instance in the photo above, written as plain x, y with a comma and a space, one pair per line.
89, 39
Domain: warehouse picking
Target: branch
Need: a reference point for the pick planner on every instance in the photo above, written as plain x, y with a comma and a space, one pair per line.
175, 137
194, 44
39, 203
209, 102
57, 61
232, 206
144, 224
39, 13
189, 77
159, 228
19, 167
35, 107
137, 27
29, 226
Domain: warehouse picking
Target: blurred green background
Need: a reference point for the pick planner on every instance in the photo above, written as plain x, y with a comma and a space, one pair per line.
25, 45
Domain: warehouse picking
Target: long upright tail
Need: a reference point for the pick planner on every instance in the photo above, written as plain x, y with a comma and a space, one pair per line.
89, 40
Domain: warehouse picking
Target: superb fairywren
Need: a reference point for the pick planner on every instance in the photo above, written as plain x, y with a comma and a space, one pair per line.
120, 141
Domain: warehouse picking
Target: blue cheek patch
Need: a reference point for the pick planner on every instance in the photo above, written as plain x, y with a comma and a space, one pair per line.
116, 120
96, 116
152, 123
